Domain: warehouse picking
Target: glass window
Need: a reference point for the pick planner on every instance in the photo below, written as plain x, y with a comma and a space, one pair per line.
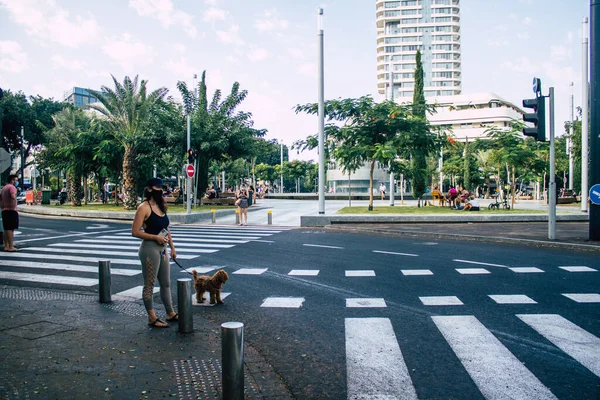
409, 12
392, 4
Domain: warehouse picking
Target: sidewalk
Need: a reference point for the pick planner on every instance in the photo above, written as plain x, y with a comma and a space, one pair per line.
64, 345
569, 235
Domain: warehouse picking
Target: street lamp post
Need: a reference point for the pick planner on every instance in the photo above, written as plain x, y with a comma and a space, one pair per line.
281, 174
321, 95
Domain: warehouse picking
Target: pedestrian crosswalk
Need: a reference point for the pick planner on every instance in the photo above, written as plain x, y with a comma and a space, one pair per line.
75, 262
376, 367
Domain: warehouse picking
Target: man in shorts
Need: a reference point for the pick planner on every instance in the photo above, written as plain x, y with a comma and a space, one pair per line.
10, 216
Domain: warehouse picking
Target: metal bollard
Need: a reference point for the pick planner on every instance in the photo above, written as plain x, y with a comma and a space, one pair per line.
237, 217
214, 216
270, 217
184, 305
232, 359
104, 277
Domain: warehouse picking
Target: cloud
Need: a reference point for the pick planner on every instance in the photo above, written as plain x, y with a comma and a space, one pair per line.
570, 37
210, 2
232, 59
523, 36
560, 52
309, 69
181, 68
497, 42
527, 21
165, 12
180, 48
258, 54
522, 65
59, 62
230, 36
294, 52
271, 21
12, 57
128, 53
214, 14
47, 21
501, 27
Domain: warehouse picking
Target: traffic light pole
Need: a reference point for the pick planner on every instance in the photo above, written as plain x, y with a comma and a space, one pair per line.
594, 225
552, 186
188, 180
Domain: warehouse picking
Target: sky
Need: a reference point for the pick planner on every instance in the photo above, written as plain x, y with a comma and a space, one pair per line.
270, 48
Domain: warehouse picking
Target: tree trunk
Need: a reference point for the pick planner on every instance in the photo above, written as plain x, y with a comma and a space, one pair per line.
512, 201
130, 200
85, 190
202, 172
371, 185
74, 183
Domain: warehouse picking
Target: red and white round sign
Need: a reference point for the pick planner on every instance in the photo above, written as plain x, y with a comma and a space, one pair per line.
190, 171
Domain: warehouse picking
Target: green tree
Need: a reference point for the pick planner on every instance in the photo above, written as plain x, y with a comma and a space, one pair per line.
371, 133
127, 110
419, 154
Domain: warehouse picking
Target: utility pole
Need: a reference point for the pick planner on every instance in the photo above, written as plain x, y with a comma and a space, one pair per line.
321, 91
584, 118
392, 186
188, 180
281, 175
570, 141
595, 114
552, 187
22, 158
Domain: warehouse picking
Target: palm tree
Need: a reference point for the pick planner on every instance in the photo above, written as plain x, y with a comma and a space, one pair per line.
484, 158
127, 110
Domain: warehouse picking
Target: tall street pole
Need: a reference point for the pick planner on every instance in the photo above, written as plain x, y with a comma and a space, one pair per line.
321, 115
552, 187
281, 176
22, 158
392, 186
570, 141
595, 114
584, 117
188, 180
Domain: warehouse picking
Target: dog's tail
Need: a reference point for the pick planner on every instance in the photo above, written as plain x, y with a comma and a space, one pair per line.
195, 274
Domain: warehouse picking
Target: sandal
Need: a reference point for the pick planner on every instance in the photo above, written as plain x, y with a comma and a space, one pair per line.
174, 318
158, 321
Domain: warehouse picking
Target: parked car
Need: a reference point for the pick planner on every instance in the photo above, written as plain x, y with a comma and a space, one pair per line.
21, 197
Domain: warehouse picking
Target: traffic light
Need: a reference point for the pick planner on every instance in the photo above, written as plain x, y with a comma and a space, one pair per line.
191, 156
537, 117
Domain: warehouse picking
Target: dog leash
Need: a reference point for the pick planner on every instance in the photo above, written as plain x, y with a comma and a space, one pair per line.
183, 269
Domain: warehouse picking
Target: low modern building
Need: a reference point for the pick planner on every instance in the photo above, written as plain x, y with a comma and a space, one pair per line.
79, 97
466, 117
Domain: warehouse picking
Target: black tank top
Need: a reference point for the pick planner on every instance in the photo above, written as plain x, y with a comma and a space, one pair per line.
155, 223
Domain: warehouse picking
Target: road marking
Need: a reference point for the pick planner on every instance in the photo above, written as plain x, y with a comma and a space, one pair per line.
526, 270
481, 263
69, 258
67, 267
133, 294
137, 240
495, 370
472, 271
110, 253
56, 279
283, 302
355, 273
97, 226
263, 241
250, 271
583, 297
573, 340
222, 232
394, 253
304, 272
92, 247
375, 367
323, 246
365, 303
205, 236
440, 301
216, 246
200, 270
73, 234
206, 302
579, 269
410, 272
512, 299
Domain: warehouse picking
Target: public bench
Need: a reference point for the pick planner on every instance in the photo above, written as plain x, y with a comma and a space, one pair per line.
225, 199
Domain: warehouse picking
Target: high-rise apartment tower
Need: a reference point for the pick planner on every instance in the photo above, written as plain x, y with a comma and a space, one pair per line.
432, 26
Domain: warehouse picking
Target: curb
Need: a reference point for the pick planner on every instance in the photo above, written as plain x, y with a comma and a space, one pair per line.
488, 239
325, 220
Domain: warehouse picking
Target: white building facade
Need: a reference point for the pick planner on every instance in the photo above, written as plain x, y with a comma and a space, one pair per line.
403, 27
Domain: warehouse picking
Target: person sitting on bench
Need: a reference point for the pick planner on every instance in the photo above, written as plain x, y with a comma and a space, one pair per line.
436, 194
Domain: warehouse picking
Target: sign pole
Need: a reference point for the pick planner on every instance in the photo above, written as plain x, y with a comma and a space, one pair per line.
594, 171
552, 186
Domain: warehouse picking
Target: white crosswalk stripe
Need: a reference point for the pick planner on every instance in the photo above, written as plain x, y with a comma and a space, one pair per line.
81, 255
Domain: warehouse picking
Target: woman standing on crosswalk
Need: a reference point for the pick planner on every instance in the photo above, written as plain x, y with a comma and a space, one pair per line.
151, 215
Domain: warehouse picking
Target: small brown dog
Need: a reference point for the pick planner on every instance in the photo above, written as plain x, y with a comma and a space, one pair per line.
213, 284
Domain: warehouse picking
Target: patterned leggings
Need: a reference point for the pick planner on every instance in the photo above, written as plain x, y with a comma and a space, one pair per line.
155, 264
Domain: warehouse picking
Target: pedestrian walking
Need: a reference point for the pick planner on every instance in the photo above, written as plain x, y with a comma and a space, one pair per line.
151, 215
106, 191
382, 190
10, 216
242, 203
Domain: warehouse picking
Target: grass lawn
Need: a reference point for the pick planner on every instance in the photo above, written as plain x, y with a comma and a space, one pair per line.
112, 208
412, 210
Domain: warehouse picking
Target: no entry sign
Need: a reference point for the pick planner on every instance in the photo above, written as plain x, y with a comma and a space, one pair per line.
190, 171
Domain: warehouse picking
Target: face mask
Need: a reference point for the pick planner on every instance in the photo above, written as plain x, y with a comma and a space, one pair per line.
16, 183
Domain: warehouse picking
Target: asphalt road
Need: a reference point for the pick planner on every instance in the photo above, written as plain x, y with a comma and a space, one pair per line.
380, 333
